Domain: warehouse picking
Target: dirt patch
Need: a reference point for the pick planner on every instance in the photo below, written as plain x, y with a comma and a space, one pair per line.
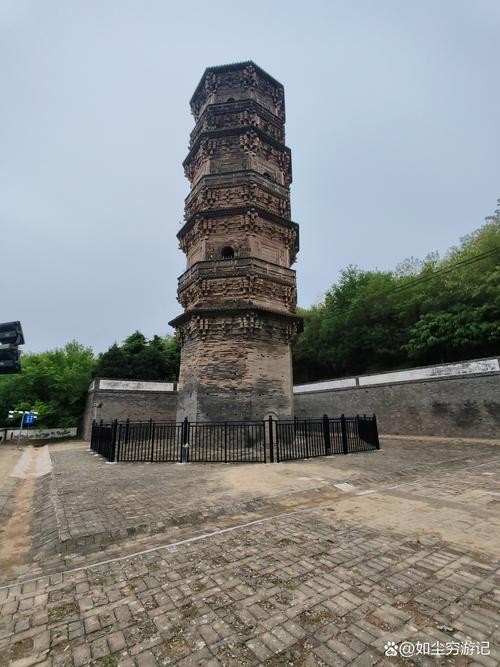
64, 445
9, 456
14, 535
265, 480
420, 516
19, 650
284, 486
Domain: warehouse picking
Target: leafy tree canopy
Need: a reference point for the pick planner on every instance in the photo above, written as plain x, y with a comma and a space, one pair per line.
54, 383
424, 312
141, 359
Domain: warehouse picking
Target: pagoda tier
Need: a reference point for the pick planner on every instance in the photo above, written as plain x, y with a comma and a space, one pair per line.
238, 190
219, 118
240, 148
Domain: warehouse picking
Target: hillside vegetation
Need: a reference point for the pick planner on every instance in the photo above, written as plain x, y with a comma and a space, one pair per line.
423, 312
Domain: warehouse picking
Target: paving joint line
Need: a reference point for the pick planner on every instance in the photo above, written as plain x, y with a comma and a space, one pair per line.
216, 532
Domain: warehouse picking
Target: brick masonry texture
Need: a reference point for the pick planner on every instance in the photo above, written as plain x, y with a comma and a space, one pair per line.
133, 405
458, 406
229, 376
329, 584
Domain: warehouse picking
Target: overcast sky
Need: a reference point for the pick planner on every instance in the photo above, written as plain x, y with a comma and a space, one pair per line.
393, 114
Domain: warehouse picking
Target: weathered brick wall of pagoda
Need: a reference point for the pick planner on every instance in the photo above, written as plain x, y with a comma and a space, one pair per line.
239, 291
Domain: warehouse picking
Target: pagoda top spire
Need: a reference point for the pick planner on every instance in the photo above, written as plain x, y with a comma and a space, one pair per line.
244, 64
237, 82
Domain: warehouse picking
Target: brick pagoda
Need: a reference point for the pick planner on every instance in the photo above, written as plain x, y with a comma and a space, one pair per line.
238, 292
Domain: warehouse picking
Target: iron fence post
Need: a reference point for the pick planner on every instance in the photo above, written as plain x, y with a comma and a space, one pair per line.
271, 443
326, 435
152, 433
180, 440
264, 435
343, 429
118, 444
114, 428
127, 429
99, 438
185, 441
306, 435
375, 428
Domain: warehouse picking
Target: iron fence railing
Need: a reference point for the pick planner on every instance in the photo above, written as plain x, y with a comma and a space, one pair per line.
233, 442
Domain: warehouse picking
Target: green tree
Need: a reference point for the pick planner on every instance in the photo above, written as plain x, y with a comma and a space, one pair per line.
134, 344
55, 383
113, 364
424, 312
139, 359
171, 351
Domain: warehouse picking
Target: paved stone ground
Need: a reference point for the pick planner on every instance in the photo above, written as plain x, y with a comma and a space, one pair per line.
98, 503
337, 557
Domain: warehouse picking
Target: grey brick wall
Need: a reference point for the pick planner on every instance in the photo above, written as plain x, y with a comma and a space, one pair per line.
129, 404
454, 407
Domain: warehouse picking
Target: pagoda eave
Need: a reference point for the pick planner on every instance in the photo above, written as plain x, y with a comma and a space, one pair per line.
236, 310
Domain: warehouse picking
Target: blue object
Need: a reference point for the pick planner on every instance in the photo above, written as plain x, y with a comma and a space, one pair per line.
29, 418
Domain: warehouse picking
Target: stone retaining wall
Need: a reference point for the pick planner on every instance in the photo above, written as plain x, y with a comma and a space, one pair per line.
460, 399
128, 399
456, 400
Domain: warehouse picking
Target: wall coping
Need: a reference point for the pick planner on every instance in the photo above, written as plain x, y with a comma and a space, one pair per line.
102, 384
38, 433
437, 372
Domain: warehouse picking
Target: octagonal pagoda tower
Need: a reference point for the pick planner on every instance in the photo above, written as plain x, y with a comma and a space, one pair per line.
238, 291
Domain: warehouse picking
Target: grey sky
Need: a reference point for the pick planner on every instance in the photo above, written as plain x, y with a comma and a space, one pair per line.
393, 115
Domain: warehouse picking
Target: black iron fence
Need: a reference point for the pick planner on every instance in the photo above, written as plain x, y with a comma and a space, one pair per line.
234, 442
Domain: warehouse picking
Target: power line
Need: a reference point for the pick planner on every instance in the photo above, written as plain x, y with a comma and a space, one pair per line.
435, 274
446, 270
